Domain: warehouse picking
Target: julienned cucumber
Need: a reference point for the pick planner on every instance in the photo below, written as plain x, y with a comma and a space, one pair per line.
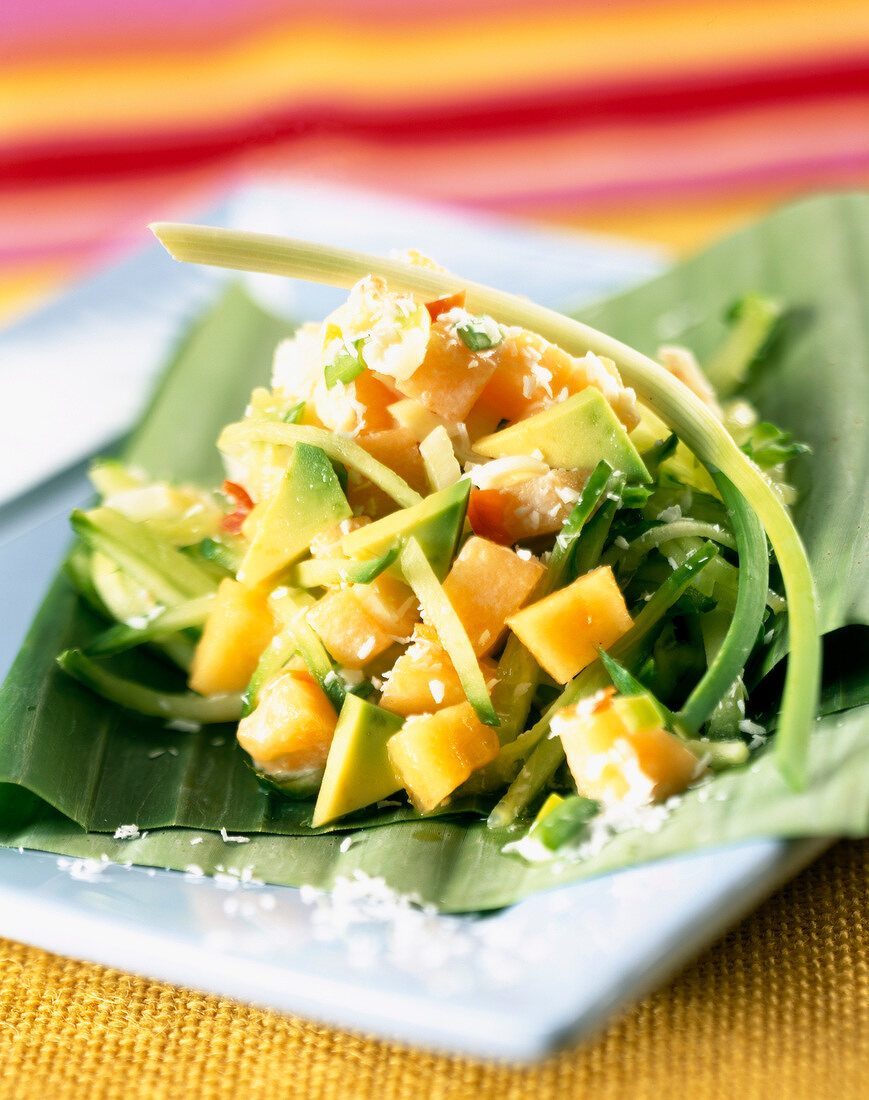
186, 706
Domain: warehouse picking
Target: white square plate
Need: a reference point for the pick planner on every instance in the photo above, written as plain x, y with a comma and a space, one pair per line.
513, 984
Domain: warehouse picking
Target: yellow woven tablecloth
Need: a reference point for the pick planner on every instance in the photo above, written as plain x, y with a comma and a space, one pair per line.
779, 1008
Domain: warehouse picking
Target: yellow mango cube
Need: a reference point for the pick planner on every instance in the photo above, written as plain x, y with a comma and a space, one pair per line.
434, 753
562, 630
292, 727
348, 632
237, 630
423, 679
616, 759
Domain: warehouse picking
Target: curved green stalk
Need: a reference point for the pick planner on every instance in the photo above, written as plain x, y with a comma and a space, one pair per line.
748, 614
664, 394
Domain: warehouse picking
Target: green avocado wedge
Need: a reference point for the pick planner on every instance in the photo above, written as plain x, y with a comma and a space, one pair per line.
308, 501
435, 523
358, 771
574, 435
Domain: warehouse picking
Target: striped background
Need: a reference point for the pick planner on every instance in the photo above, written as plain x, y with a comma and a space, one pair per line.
662, 121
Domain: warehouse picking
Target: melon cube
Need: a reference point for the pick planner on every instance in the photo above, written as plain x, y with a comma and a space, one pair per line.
616, 757
351, 636
398, 449
390, 603
237, 630
525, 510
562, 630
424, 679
292, 726
487, 583
451, 377
435, 753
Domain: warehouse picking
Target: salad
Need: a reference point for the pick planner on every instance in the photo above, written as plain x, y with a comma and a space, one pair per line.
468, 556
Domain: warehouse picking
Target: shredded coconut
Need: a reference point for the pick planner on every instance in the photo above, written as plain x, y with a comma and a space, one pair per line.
127, 832
227, 839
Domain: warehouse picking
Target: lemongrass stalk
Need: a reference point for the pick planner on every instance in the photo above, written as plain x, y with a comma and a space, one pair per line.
664, 394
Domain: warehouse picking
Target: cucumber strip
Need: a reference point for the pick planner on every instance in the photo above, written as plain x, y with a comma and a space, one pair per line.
123, 636
336, 447
544, 753
77, 568
168, 574
319, 572
184, 706
273, 658
754, 319
679, 529
748, 614
439, 613
590, 546
718, 755
439, 459
627, 684
672, 401
517, 668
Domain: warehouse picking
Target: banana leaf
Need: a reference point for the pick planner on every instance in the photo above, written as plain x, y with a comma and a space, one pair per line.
74, 768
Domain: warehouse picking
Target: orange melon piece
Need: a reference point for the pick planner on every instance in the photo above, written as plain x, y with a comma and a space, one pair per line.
615, 758
423, 679
533, 374
434, 753
526, 509
390, 603
487, 583
451, 377
350, 635
562, 630
292, 727
237, 630
398, 449
374, 397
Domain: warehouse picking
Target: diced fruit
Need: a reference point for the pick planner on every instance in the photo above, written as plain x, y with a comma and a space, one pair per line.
533, 374
487, 583
424, 679
350, 635
435, 523
358, 770
444, 305
563, 630
618, 751
397, 449
291, 728
451, 377
390, 603
308, 501
356, 406
435, 753
526, 509
236, 632
374, 398
441, 466
574, 434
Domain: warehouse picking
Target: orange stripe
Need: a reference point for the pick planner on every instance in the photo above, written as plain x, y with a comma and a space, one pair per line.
452, 62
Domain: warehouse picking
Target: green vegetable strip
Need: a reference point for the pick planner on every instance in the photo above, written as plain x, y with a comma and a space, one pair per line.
518, 672
665, 395
336, 447
318, 572
172, 706
748, 614
439, 613
124, 636
754, 319
276, 654
590, 546
170, 576
678, 529
547, 752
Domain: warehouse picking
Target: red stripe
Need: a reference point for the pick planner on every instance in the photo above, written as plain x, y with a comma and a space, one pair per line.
116, 156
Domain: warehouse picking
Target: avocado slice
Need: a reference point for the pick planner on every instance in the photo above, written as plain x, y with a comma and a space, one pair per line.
358, 771
307, 501
435, 523
573, 435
